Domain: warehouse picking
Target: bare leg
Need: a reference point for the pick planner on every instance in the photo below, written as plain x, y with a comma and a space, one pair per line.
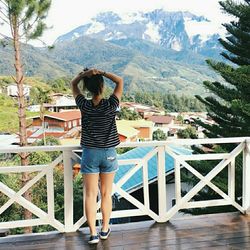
91, 191
106, 202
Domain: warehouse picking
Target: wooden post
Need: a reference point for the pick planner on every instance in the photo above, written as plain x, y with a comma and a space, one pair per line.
177, 172
231, 179
246, 178
68, 191
162, 198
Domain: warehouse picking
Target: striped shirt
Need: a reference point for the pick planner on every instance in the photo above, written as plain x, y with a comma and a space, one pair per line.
98, 122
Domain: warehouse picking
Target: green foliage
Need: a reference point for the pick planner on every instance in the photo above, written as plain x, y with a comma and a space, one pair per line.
140, 72
50, 141
28, 15
189, 132
180, 118
123, 150
8, 114
38, 95
37, 158
228, 103
169, 102
159, 135
127, 114
60, 85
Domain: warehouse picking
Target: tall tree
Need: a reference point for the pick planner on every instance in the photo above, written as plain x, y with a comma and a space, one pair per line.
229, 102
229, 106
25, 18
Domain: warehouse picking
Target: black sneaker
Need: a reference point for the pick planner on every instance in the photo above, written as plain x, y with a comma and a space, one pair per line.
94, 239
105, 235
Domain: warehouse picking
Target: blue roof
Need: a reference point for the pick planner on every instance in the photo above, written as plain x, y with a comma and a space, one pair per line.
136, 180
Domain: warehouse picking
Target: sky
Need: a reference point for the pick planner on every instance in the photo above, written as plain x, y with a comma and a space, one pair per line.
66, 15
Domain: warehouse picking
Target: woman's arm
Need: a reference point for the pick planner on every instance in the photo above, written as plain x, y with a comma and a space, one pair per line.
118, 81
74, 84
75, 81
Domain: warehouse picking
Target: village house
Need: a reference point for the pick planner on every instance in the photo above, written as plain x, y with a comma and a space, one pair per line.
60, 102
144, 128
12, 90
58, 125
162, 121
144, 110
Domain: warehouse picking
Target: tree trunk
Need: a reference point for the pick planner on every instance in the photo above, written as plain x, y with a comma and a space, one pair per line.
22, 118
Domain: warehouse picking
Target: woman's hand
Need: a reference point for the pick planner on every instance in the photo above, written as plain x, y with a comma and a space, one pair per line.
91, 72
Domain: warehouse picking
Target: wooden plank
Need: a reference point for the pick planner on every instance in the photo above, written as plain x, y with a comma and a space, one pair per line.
217, 231
68, 191
162, 195
231, 179
145, 185
246, 182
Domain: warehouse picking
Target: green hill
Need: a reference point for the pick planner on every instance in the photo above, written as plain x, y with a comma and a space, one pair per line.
141, 70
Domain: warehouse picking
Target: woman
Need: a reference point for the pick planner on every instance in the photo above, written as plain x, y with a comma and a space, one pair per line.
98, 140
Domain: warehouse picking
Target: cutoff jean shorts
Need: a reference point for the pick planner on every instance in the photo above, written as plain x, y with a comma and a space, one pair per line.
98, 160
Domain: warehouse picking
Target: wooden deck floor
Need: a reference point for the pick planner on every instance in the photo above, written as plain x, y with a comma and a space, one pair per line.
220, 231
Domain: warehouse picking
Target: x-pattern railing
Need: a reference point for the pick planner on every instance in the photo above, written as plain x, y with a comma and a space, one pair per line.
43, 217
142, 208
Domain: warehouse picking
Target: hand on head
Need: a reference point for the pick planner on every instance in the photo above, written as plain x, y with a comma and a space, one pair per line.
90, 72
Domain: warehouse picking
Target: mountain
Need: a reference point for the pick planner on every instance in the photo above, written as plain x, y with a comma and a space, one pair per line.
140, 71
36, 62
153, 51
178, 31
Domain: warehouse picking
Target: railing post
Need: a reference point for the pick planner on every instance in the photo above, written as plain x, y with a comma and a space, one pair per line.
177, 173
68, 191
162, 198
231, 180
246, 176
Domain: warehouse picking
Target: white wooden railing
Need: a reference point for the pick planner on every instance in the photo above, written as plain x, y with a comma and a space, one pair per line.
242, 145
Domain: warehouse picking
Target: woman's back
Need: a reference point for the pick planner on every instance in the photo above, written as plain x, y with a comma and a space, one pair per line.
98, 122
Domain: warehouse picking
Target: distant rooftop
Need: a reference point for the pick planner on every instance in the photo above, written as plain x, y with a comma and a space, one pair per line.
68, 115
163, 119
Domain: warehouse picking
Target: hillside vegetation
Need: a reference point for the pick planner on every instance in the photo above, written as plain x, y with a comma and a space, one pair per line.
141, 71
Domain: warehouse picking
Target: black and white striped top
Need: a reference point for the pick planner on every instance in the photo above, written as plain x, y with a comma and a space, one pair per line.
98, 122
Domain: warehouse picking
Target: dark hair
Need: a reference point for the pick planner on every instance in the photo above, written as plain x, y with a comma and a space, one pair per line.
94, 84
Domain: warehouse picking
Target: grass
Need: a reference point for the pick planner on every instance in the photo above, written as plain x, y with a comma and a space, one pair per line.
9, 115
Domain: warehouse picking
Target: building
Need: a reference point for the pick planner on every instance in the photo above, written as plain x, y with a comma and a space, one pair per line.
144, 127
61, 121
143, 110
60, 102
60, 125
162, 121
12, 90
127, 133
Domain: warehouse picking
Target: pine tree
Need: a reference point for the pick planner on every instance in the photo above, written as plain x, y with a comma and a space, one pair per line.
229, 106
25, 19
229, 102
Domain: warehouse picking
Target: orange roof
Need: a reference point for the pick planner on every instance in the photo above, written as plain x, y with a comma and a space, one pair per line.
163, 119
64, 116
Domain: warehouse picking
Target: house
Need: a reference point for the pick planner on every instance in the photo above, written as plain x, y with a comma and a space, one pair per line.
59, 125
144, 127
126, 133
12, 90
61, 121
143, 110
162, 120
60, 102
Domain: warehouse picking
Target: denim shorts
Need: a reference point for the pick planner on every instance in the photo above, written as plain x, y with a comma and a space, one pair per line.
99, 160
